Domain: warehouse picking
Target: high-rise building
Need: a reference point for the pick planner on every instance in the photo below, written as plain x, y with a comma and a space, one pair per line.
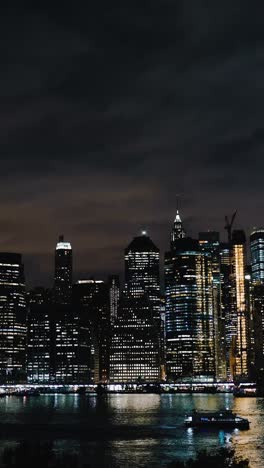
91, 309
136, 342
114, 296
178, 231
190, 343
238, 291
227, 310
63, 272
142, 276
257, 255
39, 343
94, 313
258, 333
210, 244
13, 328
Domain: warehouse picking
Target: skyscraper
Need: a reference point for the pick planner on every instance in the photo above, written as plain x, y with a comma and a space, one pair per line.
257, 255
178, 231
210, 244
39, 337
63, 272
190, 343
238, 291
142, 275
13, 328
136, 343
91, 305
114, 295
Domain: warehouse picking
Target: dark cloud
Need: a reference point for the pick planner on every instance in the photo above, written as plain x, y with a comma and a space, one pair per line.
110, 110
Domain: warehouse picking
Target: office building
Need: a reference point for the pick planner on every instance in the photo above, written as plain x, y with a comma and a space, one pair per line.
210, 244
114, 296
13, 328
142, 276
63, 272
135, 343
257, 255
39, 338
137, 335
238, 292
190, 342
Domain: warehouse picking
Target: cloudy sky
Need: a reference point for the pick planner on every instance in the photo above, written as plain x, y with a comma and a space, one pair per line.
110, 111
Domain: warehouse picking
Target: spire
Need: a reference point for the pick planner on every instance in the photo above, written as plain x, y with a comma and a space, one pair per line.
177, 217
178, 231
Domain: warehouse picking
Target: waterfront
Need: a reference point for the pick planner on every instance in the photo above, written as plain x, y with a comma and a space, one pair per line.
129, 430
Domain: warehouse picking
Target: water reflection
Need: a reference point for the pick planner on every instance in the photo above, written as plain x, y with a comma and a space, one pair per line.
133, 430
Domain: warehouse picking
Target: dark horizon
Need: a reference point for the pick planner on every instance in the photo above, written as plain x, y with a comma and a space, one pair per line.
112, 112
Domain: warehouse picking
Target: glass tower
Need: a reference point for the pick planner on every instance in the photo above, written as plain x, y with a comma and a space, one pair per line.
257, 255
238, 291
190, 345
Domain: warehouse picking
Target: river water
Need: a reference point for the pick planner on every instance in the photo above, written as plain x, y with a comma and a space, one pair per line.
129, 430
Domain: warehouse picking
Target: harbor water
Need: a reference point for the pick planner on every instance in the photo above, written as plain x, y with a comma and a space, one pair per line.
123, 430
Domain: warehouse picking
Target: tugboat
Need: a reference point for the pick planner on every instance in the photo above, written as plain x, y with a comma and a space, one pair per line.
221, 419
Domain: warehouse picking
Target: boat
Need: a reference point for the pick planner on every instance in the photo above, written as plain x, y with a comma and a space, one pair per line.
221, 419
245, 390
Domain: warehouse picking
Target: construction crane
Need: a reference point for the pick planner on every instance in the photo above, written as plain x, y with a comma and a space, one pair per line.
229, 225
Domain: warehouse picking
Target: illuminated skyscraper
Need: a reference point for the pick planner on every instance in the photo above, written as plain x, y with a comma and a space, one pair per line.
136, 343
209, 243
39, 340
241, 345
258, 333
178, 231
114, 295
142, 275
13, 328
190, 342
257, 255
63, 272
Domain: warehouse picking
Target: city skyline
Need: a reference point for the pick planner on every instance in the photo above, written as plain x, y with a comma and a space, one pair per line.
79, 270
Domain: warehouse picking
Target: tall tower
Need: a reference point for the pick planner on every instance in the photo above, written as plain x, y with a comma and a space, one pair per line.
114, 295
136, 345
257, 255
12, 319
91, 310
63, 272
190, 342
209, 243
178, 231
238, 289
142, 275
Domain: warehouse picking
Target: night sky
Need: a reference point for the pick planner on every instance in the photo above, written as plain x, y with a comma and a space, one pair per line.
109, 112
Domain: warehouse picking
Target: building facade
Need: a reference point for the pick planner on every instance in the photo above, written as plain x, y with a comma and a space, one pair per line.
13, 330
238, 291
114, 296
137, 335
39, 343
190, 342
63, 272
257, 255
